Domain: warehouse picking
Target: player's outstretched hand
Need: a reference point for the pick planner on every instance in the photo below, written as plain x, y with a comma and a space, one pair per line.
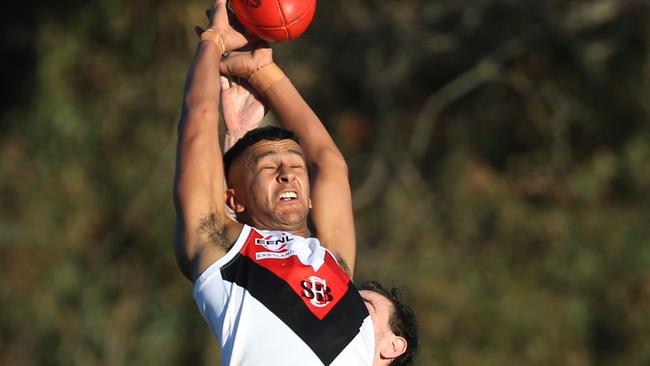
245, 61
219, 22
242, 109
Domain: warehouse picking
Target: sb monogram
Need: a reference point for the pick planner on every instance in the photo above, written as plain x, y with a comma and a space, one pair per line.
315, 289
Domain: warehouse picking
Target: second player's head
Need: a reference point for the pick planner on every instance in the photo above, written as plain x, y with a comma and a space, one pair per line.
268, 184
396, 334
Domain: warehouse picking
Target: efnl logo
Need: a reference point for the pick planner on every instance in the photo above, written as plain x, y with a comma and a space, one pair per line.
271, 243
276, 245
315, 289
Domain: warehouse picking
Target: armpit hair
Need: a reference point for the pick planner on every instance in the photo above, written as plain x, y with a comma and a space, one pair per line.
213, 228
343, 265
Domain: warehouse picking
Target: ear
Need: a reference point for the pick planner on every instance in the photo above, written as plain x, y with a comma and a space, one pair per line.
310, 206
231, 200
394, 348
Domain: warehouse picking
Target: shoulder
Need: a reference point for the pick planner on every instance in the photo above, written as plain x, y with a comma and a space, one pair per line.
342, 264
220, 238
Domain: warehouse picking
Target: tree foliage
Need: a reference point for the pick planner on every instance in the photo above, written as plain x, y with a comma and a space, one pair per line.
499, 156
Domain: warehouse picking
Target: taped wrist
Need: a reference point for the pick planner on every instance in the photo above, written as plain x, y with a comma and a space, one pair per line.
266, 76
214, 36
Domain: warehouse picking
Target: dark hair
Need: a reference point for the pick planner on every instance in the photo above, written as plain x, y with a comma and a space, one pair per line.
270, 133
402, 321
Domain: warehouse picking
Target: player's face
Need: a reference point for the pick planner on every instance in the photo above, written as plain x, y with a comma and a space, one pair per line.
274, 185
379, 308
387, 344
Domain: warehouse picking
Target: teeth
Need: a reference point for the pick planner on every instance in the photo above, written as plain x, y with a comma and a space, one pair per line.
288, 195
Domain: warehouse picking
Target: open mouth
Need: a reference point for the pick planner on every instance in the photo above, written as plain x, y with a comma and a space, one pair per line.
288, 196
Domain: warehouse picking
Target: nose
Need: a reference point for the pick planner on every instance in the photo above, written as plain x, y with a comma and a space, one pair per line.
285, 174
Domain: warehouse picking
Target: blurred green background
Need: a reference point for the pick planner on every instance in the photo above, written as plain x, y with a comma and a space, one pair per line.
499, 154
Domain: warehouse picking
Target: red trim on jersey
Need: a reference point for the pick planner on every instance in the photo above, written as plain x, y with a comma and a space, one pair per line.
320, 290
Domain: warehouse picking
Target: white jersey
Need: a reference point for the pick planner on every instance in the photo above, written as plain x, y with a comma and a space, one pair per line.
280, 299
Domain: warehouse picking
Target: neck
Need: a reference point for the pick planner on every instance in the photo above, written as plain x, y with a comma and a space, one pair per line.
300, 229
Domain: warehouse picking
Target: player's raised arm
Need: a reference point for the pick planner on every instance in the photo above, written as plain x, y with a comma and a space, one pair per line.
203, 231
330, 195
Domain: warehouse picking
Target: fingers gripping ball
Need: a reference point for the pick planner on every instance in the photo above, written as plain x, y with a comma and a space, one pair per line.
275, 20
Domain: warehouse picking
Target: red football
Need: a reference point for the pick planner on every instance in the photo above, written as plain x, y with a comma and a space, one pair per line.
275, 20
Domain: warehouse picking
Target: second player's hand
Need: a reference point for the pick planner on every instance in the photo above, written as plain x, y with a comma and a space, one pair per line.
242, 109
